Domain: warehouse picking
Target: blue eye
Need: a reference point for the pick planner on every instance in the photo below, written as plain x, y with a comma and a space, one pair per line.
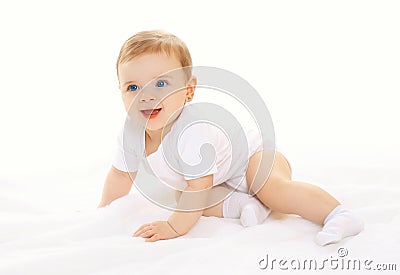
161, 83
133, 88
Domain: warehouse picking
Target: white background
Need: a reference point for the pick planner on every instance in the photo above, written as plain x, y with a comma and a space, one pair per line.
328, 72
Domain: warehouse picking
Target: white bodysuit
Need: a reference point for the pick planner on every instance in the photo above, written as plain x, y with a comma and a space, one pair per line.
180, 151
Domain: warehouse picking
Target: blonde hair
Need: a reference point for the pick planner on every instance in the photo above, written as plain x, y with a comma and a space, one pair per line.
156, 41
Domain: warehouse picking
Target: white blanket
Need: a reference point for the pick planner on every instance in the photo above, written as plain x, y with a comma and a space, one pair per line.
78, 239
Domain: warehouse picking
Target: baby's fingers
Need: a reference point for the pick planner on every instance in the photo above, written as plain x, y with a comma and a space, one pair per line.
141, 229
147, 234
154, 238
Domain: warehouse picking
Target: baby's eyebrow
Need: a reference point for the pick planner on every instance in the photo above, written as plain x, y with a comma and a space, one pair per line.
128, 82
164, 76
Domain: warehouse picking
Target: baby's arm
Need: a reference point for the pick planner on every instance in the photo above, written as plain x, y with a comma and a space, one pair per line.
180, 222
118, 184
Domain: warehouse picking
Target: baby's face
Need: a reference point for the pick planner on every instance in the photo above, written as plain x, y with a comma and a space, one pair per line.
154, 81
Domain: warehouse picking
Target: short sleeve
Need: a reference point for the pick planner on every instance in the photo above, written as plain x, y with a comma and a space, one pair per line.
197, 151
125, 159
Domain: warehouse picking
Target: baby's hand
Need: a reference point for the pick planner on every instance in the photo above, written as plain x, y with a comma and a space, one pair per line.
159, 230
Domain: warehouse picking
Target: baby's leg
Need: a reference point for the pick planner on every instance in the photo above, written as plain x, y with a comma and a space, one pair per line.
234, 205
237, 205
248, 208
282, 194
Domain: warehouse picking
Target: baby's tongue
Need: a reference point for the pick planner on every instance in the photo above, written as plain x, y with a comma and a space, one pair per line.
147, 112
150, 112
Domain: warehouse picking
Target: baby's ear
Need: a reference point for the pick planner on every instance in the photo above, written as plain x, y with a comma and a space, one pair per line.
190, 87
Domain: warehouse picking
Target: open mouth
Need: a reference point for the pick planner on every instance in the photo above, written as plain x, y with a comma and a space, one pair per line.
150, 113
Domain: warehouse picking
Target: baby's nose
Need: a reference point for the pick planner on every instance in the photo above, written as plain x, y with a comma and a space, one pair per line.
146, 98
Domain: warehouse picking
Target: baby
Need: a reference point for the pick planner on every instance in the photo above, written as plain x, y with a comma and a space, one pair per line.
144, 61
